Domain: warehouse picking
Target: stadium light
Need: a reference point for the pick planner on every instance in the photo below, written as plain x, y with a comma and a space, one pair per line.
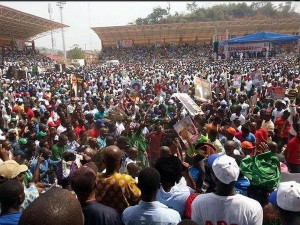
61, 6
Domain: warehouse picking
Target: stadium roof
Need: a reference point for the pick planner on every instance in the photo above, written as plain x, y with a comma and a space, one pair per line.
193, 31
20, 25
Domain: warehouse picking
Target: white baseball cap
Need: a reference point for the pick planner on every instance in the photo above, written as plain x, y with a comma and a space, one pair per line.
226, 169
287, 196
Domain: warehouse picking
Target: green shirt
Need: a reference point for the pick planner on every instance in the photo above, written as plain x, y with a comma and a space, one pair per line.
57, 152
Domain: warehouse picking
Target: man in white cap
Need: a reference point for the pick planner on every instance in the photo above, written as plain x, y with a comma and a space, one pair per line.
287, 199
225, 206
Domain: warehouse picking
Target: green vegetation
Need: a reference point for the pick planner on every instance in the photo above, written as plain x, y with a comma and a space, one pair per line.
75, 53
225, 12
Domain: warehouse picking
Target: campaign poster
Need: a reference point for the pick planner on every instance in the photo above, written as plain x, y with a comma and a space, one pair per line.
202, 89
189, 104
73, 86
80, 85
257, 78
252, 104
276, 92
135, 89
186, 130
237, 80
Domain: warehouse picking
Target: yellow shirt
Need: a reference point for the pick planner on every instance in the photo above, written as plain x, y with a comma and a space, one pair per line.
118, 191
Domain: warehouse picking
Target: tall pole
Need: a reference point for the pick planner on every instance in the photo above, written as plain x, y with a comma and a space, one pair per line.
226, 45
61, 6
50, 11
90, 25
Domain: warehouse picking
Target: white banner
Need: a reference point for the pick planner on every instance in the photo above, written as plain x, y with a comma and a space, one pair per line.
189, 104
255, 47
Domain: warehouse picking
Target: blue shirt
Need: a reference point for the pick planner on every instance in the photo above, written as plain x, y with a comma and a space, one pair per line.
10, 218
101, 142
44, 166
150, 213
194, 172
176, 198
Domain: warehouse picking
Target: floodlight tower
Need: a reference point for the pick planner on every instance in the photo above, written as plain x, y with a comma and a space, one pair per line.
50, 11
61, 6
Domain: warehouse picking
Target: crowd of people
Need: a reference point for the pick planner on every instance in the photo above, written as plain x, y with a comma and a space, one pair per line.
156, 52
100, 154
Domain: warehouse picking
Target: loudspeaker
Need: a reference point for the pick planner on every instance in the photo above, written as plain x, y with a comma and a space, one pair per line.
63, 66
216, 46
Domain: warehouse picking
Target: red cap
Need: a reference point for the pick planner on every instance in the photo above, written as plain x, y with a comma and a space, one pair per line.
52, 124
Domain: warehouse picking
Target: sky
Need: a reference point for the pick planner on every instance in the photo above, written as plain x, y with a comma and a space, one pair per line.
81, 15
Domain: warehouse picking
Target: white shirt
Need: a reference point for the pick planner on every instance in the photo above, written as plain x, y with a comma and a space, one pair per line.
61, 129
241, 118
277, 114
120, 128
238, 209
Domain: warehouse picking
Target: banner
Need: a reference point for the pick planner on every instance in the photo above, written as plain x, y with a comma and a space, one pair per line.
252, 47
74, 86
276, 92
202, 89
80, 85
186, 131
135, 88
252, 104
189, 104
257, 78
237, 80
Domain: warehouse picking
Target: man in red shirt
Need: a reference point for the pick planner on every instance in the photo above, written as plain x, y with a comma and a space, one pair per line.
261, 134
155, 138
95, 132
29, 112
79, 127
292, 151
282, 129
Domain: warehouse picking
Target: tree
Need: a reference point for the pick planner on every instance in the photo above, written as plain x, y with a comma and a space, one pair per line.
60, 53
231, 11
157, 15
75, 53
192, 7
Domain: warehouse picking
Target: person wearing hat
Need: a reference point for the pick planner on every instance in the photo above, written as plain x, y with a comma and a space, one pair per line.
230, 136
228, 207
248, 148
286, 199
10, 169
22, 150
